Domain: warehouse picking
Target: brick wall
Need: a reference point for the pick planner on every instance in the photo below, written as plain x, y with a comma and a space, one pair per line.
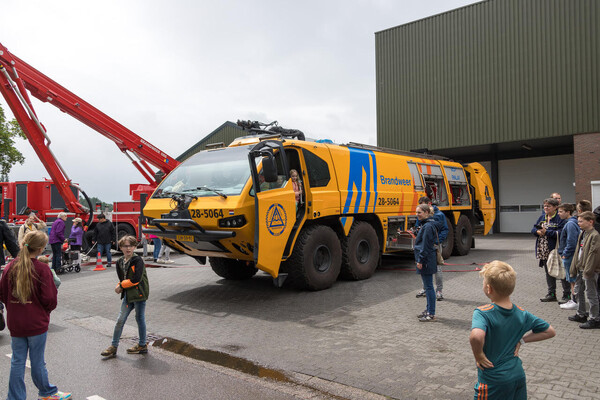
587, 163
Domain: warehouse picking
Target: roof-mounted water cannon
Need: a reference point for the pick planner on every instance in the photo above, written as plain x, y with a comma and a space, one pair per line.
261, 128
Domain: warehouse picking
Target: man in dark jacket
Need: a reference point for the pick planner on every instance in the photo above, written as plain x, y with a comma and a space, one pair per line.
104, 237
7, 238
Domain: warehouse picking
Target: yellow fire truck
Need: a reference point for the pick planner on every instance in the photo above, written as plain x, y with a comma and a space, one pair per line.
236, 205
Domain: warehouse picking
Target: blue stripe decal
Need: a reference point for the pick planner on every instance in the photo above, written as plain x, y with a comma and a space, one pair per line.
361, 160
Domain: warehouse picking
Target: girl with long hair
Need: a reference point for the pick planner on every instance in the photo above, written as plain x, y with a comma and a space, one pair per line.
27, 288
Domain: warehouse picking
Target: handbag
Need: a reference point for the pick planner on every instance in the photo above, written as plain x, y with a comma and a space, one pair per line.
555, 263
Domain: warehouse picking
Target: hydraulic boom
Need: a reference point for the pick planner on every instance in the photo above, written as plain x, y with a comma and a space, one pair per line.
17, 78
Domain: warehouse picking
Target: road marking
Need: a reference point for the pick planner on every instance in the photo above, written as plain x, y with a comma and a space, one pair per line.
27, 363
95, 397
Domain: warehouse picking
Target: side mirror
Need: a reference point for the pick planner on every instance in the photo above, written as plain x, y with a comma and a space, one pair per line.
269, 169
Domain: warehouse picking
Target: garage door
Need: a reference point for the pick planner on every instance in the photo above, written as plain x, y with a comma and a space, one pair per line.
524, 183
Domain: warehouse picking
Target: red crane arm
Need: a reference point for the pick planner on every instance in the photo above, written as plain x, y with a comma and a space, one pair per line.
16, 76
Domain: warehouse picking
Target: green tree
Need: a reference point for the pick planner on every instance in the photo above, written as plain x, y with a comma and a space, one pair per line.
9, 155
95, 200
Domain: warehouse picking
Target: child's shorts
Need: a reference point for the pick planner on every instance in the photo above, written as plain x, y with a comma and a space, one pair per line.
514, 390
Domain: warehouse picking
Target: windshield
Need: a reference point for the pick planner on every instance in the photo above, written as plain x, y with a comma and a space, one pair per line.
209, 173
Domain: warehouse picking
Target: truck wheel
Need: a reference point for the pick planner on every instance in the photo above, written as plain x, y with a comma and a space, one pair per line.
448, 244
463, 236
87, 246
360, 252
124, 230
231, 269
316, 260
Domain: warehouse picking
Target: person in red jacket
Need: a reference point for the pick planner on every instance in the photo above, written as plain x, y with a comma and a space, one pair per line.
27, 288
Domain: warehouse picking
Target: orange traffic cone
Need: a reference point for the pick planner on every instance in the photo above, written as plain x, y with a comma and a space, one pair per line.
99, 266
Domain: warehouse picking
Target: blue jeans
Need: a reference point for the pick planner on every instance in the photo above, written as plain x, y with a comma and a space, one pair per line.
35, 345
105, 248
429, 292
157, 245
567, 264
140, 317
56, 255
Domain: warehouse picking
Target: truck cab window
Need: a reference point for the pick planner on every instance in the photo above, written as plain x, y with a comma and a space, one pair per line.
317, 169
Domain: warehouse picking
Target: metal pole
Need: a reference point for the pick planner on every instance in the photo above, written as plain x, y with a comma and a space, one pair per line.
143, 197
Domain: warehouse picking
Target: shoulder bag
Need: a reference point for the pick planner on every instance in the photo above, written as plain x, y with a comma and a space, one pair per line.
440, 258
555, 264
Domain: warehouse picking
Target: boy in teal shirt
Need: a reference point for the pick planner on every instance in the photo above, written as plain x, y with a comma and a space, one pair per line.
497, 332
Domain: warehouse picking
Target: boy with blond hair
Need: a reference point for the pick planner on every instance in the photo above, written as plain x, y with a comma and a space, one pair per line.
498, 330
586, 267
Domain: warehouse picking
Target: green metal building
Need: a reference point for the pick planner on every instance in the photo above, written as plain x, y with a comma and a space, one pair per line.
514, 84
225, 134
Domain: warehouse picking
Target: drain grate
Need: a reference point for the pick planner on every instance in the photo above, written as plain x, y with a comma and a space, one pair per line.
150, 338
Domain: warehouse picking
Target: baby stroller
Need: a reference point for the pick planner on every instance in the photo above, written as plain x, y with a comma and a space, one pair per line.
70, 259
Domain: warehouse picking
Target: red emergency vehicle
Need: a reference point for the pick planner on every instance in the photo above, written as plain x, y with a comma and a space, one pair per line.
19, 80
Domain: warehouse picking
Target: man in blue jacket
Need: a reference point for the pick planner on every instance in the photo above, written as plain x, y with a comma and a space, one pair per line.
442, 234
566, 248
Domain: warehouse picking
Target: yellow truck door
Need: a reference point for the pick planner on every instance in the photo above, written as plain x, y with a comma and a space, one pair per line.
276, 218
275, 204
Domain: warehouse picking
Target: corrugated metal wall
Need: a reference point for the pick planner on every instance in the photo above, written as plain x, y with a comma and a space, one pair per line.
492, 72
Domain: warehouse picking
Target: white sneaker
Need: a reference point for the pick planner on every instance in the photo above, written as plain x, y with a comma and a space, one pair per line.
569, 305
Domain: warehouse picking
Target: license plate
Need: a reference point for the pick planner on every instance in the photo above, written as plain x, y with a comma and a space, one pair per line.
185, 238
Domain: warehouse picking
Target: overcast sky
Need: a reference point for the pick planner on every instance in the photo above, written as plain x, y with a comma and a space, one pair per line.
173, 71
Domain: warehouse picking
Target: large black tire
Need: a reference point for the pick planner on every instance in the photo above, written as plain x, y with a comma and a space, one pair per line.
360, 252
316, 260
231, 269
448, 244
124, 230
463, 236
86, 246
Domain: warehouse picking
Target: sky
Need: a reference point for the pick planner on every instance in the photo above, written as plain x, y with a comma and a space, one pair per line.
172, 72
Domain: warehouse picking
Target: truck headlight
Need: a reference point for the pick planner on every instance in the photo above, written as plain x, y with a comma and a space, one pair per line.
232, 222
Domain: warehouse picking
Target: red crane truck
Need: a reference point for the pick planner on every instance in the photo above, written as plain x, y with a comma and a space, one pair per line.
19, 80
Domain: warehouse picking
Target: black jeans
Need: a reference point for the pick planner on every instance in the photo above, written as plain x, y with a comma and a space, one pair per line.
56, 255
551, 282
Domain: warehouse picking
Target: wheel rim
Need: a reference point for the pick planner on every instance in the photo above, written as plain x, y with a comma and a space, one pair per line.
322, 258
363, 252
463, 236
